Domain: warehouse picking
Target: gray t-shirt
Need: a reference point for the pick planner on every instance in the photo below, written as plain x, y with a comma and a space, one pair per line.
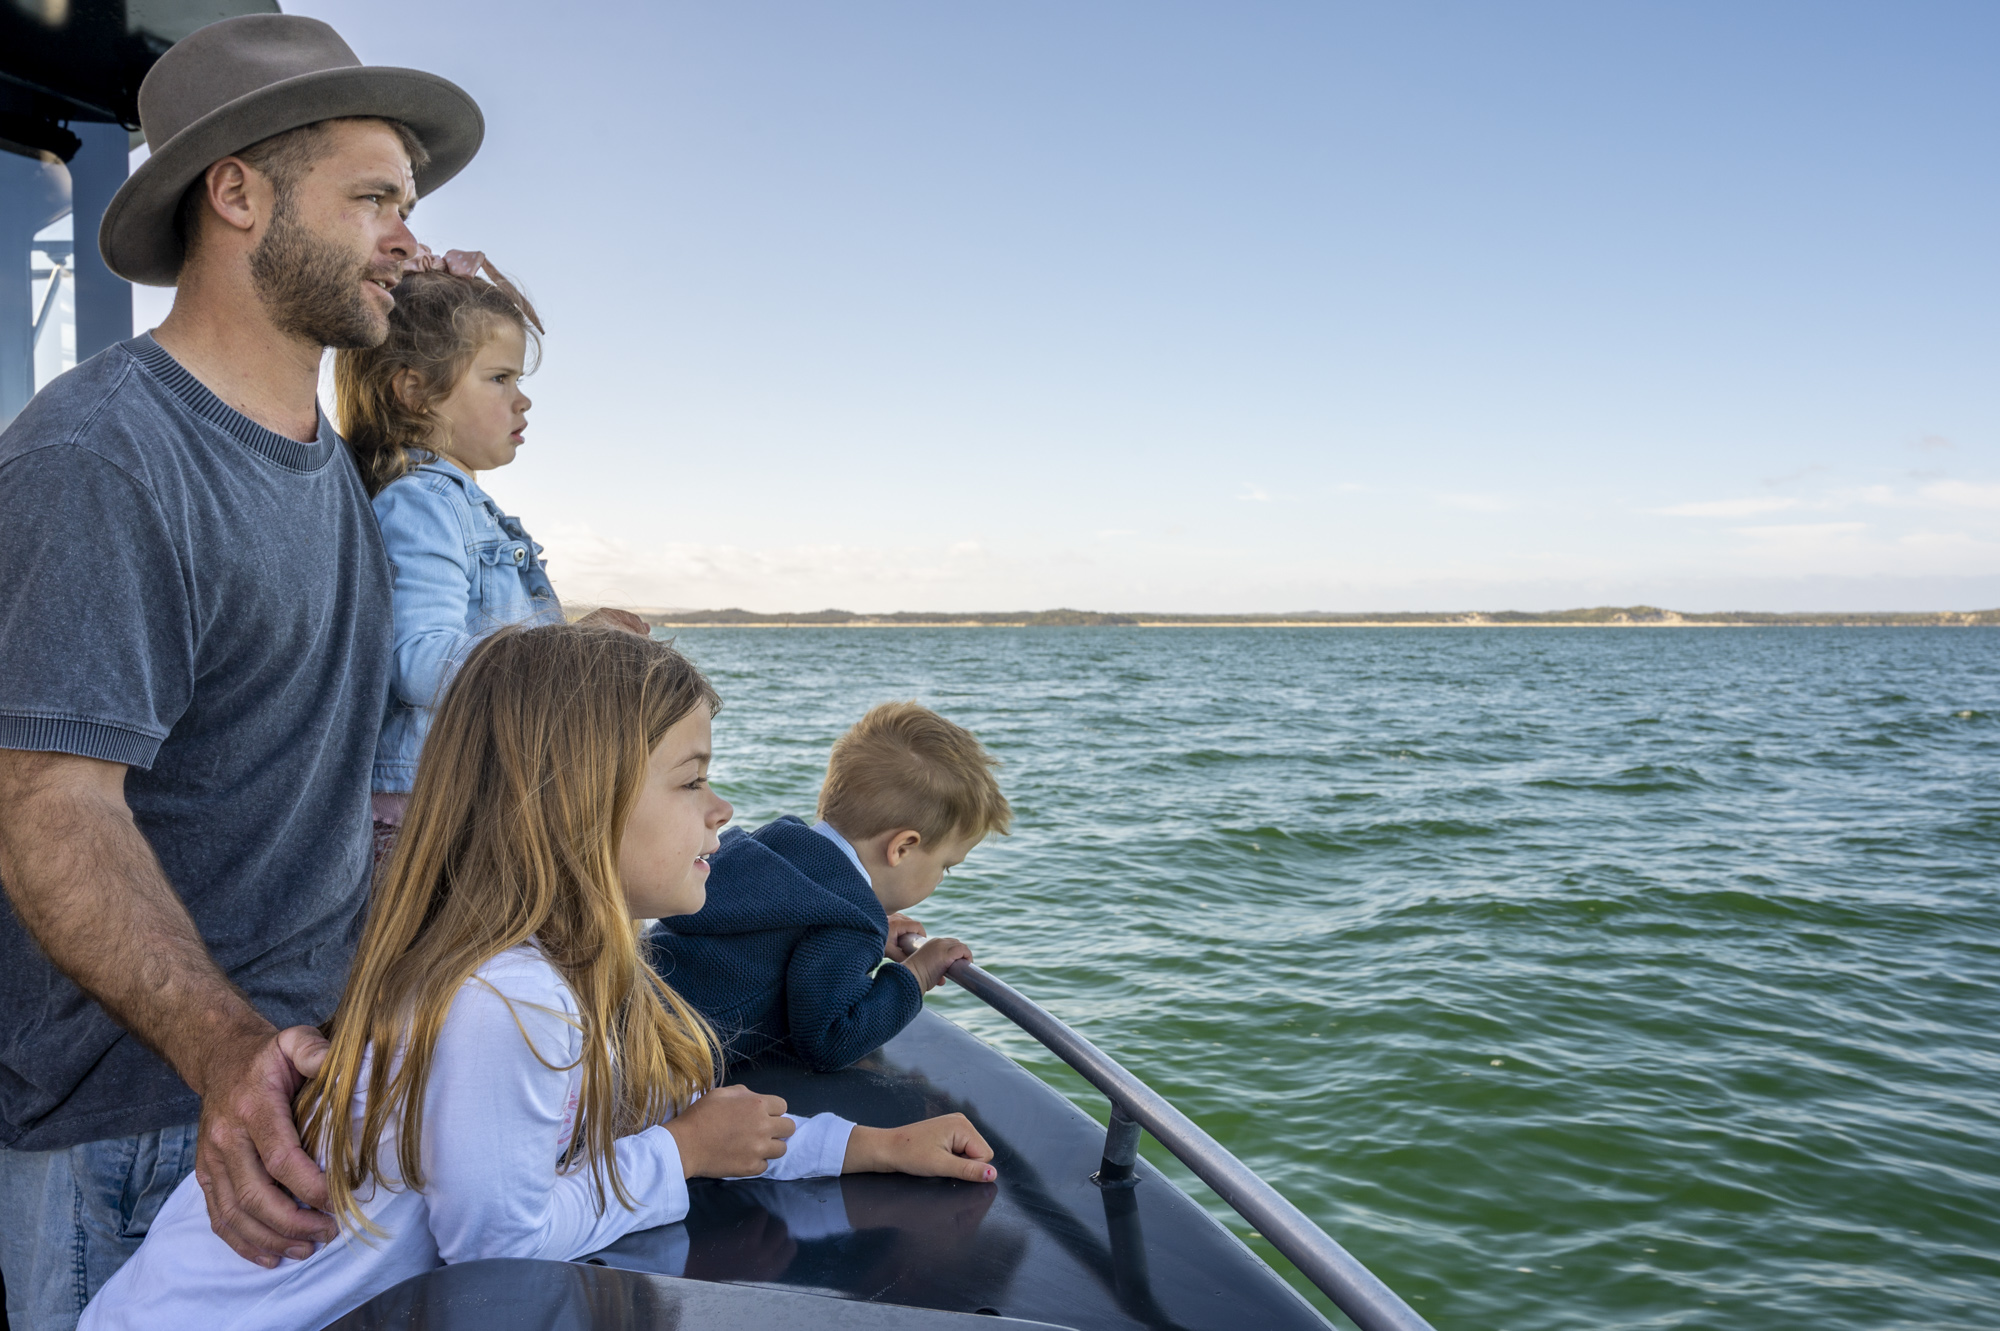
207, 602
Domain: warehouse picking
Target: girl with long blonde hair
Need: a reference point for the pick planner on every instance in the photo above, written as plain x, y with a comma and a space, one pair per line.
507, 1077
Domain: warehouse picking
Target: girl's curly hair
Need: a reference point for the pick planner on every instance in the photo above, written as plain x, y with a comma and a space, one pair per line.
439, 323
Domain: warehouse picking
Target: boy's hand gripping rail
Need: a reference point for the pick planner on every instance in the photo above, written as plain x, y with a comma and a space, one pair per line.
1134, 1105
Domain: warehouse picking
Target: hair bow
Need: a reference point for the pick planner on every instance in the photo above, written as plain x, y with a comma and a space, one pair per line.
471, 263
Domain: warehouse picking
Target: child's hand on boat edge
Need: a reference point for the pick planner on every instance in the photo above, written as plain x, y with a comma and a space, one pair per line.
927, 958
929, 962
947, 1146
900, 948
733, 1132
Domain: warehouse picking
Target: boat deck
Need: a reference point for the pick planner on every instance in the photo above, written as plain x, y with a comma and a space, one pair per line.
1043, 1243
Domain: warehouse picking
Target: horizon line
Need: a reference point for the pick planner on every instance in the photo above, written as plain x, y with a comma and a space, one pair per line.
1639, 615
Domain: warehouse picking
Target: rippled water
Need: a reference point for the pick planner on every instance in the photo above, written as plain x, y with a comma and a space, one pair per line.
1572, 978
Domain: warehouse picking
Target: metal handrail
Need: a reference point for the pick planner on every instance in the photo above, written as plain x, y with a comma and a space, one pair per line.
1354, 1289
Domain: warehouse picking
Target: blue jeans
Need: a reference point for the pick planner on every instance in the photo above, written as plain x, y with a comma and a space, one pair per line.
73, 1216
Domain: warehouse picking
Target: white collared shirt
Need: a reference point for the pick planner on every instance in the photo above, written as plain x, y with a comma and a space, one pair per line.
826, 829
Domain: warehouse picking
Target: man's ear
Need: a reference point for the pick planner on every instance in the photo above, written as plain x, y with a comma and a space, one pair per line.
900, 844
236, 194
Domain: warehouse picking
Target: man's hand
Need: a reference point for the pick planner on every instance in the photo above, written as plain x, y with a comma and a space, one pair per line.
944, 1147
248, 1146
470, 263
86, 885
900, 924
929, 962
305, 1048
610, 617
732, 1132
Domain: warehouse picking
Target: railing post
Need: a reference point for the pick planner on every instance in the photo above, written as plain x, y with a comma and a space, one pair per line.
1119, 1168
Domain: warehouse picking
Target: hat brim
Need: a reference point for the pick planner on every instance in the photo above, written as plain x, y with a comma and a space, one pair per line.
137, 236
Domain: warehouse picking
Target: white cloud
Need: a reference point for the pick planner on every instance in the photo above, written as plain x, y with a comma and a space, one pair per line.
589, 568
1400, 553
1728, 508
1962, 494
1803, 531
1955, 544
1937, 494
1255, 493
1797, 474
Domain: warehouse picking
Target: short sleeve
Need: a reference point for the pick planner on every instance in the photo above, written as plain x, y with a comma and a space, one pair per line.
96, 639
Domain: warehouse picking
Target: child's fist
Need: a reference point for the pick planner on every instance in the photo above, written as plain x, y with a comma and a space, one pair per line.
944, 1147
732, 1132
928, 963
900, 924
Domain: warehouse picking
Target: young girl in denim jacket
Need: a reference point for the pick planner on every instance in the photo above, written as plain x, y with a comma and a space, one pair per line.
437, 403
506, 1076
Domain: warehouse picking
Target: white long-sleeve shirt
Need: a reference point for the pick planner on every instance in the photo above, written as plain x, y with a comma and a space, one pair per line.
496, 1122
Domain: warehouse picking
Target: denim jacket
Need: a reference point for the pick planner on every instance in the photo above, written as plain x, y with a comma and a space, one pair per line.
462, 570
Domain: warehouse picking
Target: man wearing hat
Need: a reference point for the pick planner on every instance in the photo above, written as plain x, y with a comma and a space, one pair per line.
194, 662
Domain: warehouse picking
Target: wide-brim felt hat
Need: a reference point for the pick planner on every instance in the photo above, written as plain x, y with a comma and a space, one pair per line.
238, 82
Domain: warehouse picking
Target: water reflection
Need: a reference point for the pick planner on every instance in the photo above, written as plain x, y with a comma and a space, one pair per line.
923, 1243
518, 1295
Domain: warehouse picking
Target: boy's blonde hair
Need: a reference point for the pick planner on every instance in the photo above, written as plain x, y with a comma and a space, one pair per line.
535, 762
903, 765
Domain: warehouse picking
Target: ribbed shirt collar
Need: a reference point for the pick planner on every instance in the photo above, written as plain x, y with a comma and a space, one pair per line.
194, 394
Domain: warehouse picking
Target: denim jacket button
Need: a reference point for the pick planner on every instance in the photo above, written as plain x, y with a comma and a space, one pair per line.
519, 554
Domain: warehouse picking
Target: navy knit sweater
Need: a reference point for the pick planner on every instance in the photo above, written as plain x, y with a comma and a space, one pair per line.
782, 952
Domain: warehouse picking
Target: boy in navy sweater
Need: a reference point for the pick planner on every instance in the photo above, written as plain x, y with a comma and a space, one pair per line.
789, 948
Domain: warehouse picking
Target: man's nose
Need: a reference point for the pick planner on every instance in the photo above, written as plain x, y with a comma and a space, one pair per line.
724, 812
402, 242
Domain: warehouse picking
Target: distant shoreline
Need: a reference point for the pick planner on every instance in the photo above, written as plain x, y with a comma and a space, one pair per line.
1638, 616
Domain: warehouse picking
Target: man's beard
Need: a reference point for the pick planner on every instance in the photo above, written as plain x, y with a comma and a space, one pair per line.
313, 289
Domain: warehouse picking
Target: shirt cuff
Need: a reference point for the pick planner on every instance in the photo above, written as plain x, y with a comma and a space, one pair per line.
85, 739
817, 1150
674, 1206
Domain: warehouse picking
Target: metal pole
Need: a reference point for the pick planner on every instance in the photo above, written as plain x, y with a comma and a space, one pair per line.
1352, 1286
1119, 1168
32, 195
103, 300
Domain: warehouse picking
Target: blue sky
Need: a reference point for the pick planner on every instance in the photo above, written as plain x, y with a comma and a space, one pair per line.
1241, 307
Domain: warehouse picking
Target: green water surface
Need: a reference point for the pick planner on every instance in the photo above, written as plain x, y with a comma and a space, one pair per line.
1571, 978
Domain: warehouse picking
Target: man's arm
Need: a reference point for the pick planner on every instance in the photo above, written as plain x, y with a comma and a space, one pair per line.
90, 891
